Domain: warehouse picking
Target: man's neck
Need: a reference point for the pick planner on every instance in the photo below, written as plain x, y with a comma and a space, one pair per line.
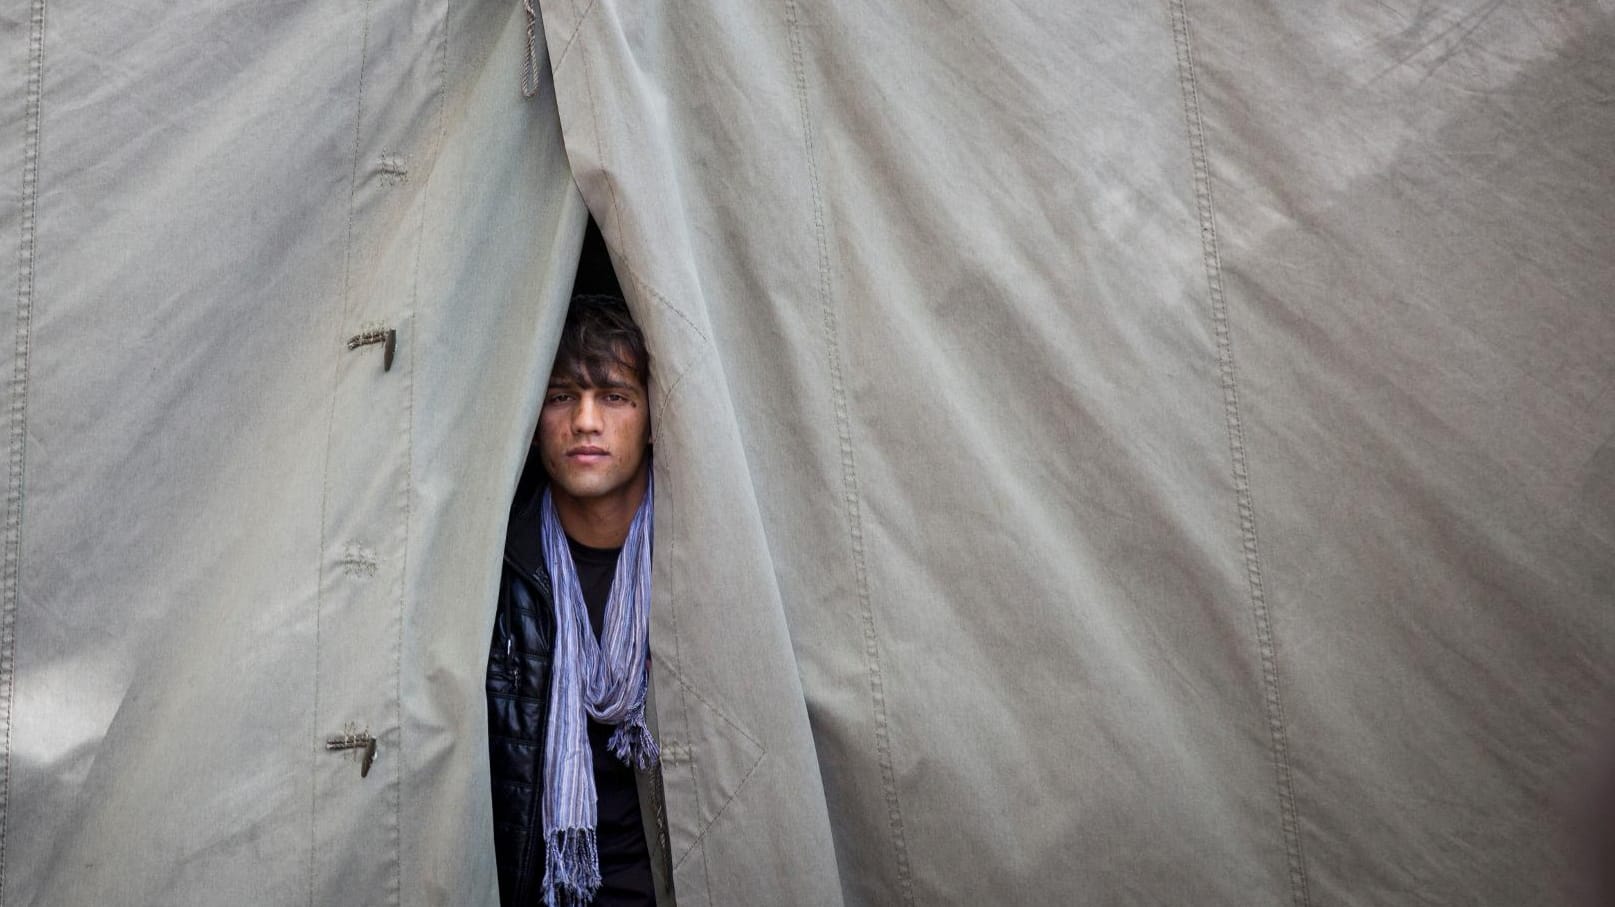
599, 522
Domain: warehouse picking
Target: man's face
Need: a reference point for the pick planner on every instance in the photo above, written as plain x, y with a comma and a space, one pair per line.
593, 438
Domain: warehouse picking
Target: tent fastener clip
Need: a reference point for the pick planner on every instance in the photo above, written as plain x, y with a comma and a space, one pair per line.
389, 339
352, 740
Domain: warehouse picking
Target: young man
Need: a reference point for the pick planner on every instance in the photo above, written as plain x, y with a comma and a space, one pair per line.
568, 669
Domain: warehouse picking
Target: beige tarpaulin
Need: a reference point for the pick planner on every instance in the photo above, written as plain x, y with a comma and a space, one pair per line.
1113, 454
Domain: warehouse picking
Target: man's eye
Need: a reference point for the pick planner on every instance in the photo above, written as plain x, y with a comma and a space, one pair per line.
557, 398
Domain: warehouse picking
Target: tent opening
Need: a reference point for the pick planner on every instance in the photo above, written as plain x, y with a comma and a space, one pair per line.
630, 866
594, 275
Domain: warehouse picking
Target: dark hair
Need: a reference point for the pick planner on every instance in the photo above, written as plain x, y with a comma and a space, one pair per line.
600, 334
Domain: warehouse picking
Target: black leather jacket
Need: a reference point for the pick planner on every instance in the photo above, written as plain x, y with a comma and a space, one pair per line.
518, 706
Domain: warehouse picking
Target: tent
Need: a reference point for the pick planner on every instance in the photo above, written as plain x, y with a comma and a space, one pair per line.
1107, 453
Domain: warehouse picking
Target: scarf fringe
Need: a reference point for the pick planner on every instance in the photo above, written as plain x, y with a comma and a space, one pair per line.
633, 744
571, 867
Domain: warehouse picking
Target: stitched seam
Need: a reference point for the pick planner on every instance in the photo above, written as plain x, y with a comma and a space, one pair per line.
719, 814
403, 586
645, 285
26, 252
762, 751
849, 474
577, 27
325, 490
409, 459
1272, 699
719, 712
667, 397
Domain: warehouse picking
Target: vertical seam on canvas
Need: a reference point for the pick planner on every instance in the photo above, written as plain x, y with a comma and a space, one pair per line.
1272, 699
409, 451
19, 407
330, 426
849, 472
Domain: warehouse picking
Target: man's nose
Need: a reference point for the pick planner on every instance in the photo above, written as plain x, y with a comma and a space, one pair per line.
586, 417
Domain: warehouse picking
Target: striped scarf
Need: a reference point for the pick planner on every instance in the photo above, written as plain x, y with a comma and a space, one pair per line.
603, 680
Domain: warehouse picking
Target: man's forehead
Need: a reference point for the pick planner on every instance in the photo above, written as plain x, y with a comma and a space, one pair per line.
571, 383
615, 376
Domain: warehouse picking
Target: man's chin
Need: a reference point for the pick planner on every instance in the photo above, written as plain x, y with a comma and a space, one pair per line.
584, 484
584, 488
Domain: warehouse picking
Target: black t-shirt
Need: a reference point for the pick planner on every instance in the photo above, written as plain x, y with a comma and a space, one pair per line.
625, 877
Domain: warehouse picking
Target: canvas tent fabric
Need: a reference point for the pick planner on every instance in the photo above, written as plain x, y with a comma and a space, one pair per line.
237, 536
1142, 454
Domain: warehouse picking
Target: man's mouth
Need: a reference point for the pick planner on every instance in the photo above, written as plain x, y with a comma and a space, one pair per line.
587, 453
